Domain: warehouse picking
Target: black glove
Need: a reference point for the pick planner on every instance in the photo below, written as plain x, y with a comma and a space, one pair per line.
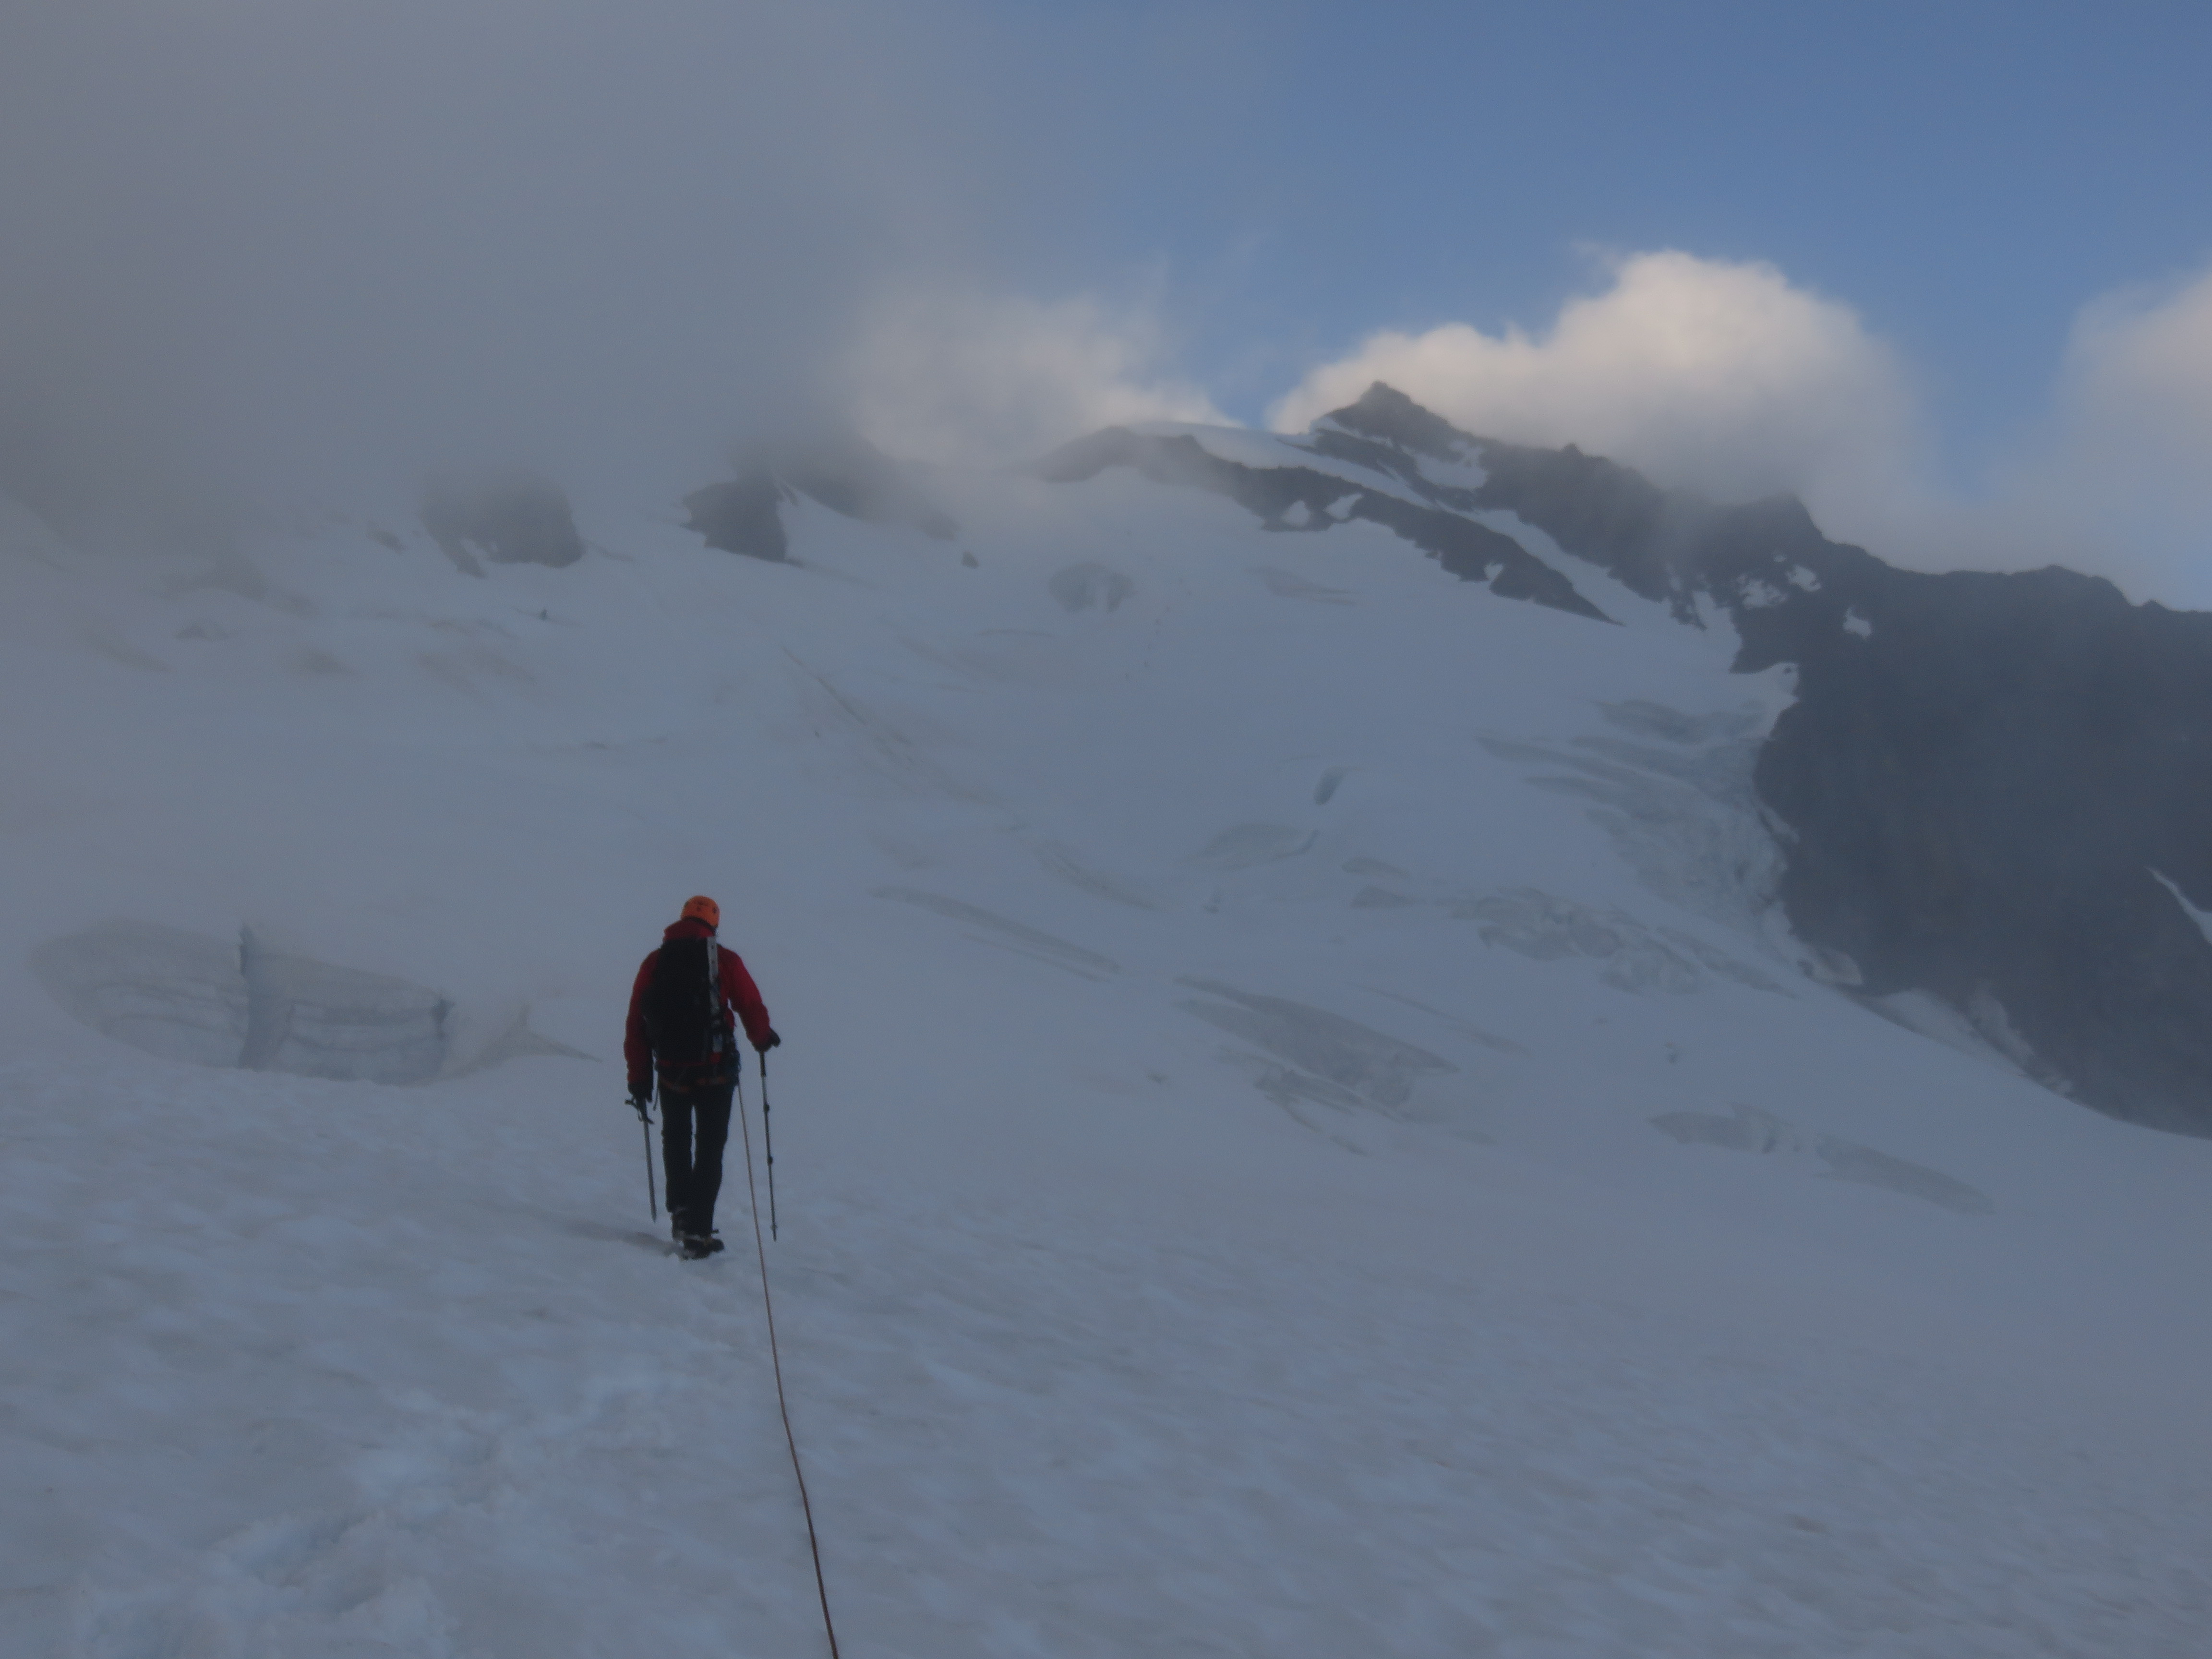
774, 1041
639, 1100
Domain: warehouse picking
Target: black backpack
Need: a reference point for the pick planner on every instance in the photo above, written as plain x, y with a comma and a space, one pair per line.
684, 1005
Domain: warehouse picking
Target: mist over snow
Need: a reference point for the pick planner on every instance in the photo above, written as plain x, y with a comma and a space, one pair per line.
956, 377
311, 252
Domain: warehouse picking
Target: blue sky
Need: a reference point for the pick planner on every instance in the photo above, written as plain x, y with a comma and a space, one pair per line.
1968, 176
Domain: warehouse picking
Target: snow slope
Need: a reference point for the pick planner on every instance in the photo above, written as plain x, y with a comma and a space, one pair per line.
1299, 1132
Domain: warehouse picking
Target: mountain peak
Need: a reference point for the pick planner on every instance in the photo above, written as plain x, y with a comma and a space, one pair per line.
1984, 779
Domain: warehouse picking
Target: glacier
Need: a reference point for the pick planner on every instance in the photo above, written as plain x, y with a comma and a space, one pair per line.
1305, 1126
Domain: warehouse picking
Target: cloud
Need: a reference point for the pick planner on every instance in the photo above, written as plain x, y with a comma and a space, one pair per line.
953, 377
2134, 413
1728, 379
302, 249
2138, 384
1708, 375
314, 247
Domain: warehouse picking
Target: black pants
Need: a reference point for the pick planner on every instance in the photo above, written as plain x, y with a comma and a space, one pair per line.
694, 1124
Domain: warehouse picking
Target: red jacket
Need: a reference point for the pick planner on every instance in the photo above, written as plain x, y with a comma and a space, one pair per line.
739, 994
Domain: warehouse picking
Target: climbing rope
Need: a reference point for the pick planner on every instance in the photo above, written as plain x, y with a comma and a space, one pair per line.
783, 1404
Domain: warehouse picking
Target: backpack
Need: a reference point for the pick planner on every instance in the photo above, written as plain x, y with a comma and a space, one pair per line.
684, 1005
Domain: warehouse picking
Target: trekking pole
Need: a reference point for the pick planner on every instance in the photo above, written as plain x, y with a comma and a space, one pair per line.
769, 1141
644, 1128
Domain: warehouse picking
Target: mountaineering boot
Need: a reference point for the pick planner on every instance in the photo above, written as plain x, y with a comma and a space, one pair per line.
698, 1246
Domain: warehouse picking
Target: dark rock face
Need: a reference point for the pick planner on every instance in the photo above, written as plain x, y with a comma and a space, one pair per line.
1982, 790
848, 474
840, 470
1986, 775
1987, 782
509, 517
744, 515
1295, 498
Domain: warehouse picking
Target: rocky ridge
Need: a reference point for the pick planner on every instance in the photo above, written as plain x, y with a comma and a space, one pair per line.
1992, 788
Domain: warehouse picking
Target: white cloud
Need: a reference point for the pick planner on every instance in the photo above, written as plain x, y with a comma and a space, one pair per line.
2139, 377
2134, 407
954, 378
1713, 375
1708, 375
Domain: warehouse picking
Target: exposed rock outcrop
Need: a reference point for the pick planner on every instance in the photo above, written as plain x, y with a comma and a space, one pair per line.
742, 515
843, 470
509, 517
1295, 498
1989, 781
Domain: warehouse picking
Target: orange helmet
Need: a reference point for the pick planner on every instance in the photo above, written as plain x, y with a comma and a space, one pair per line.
705, 908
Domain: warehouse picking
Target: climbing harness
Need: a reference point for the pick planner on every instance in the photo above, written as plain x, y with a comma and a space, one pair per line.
775, 1358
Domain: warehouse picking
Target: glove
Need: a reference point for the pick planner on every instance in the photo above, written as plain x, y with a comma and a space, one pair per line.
774, 1041
640, 1099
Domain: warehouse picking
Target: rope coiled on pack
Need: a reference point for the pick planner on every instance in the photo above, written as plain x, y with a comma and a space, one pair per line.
775, 1358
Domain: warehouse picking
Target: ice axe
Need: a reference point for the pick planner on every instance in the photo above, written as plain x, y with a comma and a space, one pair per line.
644, 1128
768, 1141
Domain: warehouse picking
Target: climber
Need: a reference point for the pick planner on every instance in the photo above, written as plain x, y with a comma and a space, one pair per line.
684, 1012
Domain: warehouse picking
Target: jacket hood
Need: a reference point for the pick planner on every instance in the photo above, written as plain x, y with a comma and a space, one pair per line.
690, 927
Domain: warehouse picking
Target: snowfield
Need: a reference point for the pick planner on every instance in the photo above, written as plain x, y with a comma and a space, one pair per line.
1299, 1132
